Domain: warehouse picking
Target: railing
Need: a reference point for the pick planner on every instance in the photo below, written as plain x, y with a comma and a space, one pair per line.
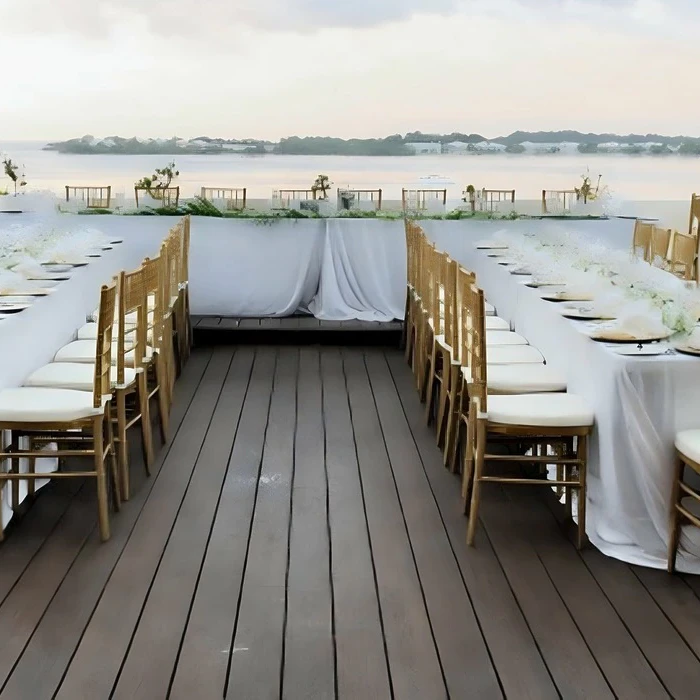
234, 197
491, 197
374, 196
168, 196
94, 197
418, 199
559, 197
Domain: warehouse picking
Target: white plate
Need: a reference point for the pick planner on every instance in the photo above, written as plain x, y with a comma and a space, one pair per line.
491, 245
57, 268
49, 277
17, 300
12, 308
67, 263
644, 350
38, 292
115, 242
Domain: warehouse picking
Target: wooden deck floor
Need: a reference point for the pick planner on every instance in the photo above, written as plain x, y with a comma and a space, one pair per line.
302, 540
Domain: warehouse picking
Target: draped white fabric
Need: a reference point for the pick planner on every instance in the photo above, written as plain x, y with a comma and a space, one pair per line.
363, 274
639, 403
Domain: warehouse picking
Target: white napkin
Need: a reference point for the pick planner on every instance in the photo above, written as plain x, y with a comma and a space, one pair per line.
642, 322
12, 283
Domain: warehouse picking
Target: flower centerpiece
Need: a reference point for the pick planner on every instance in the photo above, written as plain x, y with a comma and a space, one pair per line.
158, 185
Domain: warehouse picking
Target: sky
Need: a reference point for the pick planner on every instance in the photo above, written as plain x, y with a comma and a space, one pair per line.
367, 68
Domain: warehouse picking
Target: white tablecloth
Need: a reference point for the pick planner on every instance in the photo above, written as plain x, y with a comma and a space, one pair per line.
639, 405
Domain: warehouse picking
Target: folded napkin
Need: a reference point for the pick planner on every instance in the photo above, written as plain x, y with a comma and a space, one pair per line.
639, 324
13, 283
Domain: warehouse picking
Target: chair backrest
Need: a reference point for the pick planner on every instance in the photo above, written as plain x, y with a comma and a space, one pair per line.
131, 337
94, 197
185, 266
641, 239
154, 276
167, 196
683, 256
555, 201
489, 198
235, 197
694, 225
418, 199
659, 246
102, 385
474, 337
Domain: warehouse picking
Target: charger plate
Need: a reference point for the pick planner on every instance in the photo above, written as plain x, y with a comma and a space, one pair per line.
585, 314
488, 245
687, 349
613, 335
567, 296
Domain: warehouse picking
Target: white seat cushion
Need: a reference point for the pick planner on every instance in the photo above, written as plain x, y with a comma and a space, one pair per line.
489, 309
524, 379
494, 323
512, 354
688, 443
504, 338
73, 375
540, 410
84, 351
40, 405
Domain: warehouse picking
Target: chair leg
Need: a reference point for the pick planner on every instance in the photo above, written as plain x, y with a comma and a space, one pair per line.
102, 499
674, 527
582, 467
114, 468
449, 456
430, 386
146, 430
163, 407
443, 397
122, 447
480, 430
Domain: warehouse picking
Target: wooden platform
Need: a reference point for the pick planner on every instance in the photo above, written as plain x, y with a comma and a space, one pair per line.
300, 539
297, 329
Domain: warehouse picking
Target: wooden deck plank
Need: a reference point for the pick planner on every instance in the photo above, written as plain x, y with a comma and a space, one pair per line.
98, 659
413, 659
573, 667
309, 653
359, 636
17, 552
249, 323
673, 661
227, 324
463, 653
23, 607
519, 664
209, 322
204, 654
269, 323
150, 663
54, 641
624, 666
257, 652
309, 322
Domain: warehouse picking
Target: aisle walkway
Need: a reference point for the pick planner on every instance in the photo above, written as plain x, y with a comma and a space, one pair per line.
301, 539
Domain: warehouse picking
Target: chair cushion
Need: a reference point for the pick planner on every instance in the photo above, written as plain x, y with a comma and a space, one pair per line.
688, 444
524, 379
73, 375
84, 351
504, 338
41, 405
540, 410
494, 323
512, 354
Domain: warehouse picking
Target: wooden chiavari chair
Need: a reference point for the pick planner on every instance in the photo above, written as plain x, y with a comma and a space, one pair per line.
641, 239
541, 421
659, 245
694, 224
685, 499
81, 420
683, 258
73, 367
413, 236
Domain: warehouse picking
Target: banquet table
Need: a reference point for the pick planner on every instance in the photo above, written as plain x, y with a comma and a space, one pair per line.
639, 403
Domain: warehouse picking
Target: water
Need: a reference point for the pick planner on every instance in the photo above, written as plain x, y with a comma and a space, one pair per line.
629, 177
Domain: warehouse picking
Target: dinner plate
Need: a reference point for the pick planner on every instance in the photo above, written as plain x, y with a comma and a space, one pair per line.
521, 271
641, 350
584, 314
687, 349
486, 245
535, 284
567, 296
27, 293
67, 263
49, 277
613, 335
12, 308
57, 268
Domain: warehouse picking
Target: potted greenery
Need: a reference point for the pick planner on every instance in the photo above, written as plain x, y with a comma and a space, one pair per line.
469, 196
8, 202
320, 188
157, 190
591, 199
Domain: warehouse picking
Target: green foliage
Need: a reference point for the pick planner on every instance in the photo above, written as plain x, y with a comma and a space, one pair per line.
689, 148
12, 170
587, 192
515, 148
632, 150
93, 212
321, 185
202, 207
659, 150
160, 180
319, 145
588, 148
